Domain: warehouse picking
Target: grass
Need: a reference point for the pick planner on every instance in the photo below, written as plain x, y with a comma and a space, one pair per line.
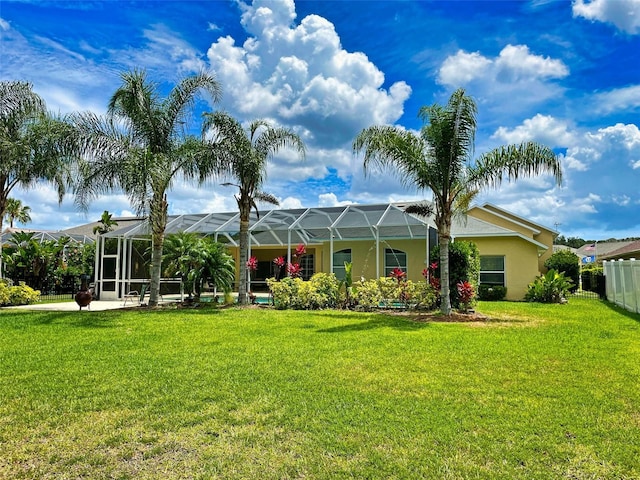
538, 392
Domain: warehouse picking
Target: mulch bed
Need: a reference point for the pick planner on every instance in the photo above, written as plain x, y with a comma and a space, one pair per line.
439, 317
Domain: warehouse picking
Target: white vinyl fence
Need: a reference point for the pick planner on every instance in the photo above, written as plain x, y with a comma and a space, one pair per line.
622, 280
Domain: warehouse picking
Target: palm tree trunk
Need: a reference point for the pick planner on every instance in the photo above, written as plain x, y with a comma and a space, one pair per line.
244, 253
445, 296
158, 221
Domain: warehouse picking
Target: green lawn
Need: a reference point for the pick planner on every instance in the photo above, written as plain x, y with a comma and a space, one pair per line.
539, 392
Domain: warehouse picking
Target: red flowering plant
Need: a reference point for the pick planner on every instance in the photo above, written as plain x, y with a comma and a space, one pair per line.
279, 263
252, 264
294, 270
301, 249
398, 275
467, 294
431, 275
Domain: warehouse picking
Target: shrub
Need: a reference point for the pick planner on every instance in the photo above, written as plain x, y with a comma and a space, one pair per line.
492, 292
592, 278
4, 293
567, 262
421, 295
366, 294
390, 290
321, 291
466, 294
20, 294
552, 287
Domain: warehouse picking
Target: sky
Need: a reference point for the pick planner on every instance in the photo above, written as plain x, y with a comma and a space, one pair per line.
564, 74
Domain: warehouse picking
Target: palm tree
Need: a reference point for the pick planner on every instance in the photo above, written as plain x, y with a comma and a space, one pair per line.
196, 259
34, 145
105, 224
440, 159
242, 157
14, 210
140, 147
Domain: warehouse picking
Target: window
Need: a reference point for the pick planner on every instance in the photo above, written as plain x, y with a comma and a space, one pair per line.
492, 270
306, 265
394, 259
339, 259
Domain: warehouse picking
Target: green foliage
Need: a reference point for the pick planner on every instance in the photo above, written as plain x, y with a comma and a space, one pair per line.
464, 266
44, 264
552, 287
319, 292
366, 294
20, 294
592, 276
421, 295
196, 259
371, 294
567, 262
4, 293
491, 292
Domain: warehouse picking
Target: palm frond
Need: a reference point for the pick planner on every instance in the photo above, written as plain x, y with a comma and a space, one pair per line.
511, 162
395, 149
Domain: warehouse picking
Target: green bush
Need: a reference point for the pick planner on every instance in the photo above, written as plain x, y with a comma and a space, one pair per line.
552, 287
4, 293
567, 262
321, 291
421, 295
492, 292
367, 295
20, 294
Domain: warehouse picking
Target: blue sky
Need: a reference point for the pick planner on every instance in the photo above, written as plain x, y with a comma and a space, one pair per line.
566, 74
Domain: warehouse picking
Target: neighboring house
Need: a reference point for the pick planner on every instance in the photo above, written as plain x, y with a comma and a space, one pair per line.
374, 238
624, 252
594, 252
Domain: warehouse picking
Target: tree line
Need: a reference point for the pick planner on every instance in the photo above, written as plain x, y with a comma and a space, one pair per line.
140, 147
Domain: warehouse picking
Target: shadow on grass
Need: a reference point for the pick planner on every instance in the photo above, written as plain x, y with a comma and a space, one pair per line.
621, 311
377, 321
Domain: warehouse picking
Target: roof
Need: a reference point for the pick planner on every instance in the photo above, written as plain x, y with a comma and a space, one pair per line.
624, 251
44, 235
301, 225
601, 249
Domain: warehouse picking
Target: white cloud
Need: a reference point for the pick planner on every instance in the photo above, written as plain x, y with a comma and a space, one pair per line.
331, 200
620, 99
290, 202
514, 64
462, 68
541, 128
624, 14
300, 75
4, 25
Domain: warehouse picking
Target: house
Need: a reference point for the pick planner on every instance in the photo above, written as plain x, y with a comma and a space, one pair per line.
374, 238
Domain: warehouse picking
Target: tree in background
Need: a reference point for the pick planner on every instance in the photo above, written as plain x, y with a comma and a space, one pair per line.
105, 224
35, 146
241, 157
441, 159
16, 211
567, 262
140, 147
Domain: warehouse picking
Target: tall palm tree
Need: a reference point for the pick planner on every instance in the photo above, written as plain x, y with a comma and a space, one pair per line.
34, 145
140, 147
15, 210
242, 156
441, 159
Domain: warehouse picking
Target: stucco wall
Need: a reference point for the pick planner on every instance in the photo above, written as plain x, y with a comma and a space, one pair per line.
521, 261
363, 256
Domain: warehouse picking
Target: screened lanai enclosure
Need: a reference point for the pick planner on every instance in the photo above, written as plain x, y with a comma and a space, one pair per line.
374, 238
